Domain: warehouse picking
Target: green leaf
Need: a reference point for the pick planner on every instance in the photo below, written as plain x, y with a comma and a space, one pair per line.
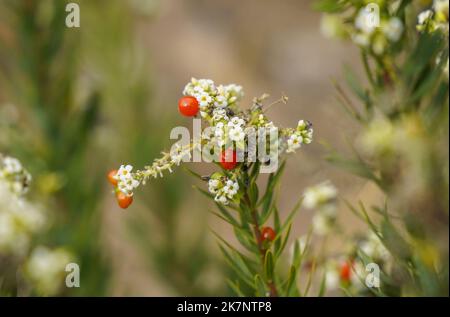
323, 286
246, 239
253, 194
235, 287
223, 210
355, 86
291, 285
283, 244
260, 286
196, 175
269, 266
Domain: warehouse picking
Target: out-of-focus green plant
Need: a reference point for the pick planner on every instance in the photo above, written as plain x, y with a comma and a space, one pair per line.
402, 145
53, 133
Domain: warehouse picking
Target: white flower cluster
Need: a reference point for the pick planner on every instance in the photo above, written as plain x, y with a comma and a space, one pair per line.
374, 248
369, 35
126, 180
302, 134
434, 18
210, 96
224, 189
229, 127
19, 219
13, 173
371, 30
322, 198
45, 268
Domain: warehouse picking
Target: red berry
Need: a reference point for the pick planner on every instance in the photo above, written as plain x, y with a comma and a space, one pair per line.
228, 159
124, 200
111, 178
267, 233
346, 271
188, 106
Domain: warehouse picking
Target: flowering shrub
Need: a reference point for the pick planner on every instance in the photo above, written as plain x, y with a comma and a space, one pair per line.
402, 146
232, 139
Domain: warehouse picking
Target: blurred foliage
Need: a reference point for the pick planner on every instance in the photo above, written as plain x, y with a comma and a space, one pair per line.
402, 147
54, 130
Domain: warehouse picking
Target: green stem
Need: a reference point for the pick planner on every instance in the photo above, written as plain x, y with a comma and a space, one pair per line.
258, 236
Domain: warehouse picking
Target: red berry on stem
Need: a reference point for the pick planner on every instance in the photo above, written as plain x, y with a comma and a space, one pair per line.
188, 106
111, 177
228, 159
346, 271
267, 233
124, 200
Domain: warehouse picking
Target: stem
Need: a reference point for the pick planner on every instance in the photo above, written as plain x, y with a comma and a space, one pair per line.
254, 214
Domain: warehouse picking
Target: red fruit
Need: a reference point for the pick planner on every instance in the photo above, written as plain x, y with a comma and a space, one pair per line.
267, 233
188, 106
346, 271
124, 200
228, 159
111, 178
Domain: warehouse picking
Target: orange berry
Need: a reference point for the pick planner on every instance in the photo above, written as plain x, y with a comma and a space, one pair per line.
228, 159
111, 178
124, 200
346, 271
188, 106
267, 233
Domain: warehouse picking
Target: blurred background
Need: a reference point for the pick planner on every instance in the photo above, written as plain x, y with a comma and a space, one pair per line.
77, 102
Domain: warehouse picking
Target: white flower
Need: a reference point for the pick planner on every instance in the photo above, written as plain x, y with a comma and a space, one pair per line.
374, 248
294, 142
441, 6
424, 17
221, 101
213, 184
12, 165
46, 269
126, 181
236, 122
332, 279
220, 198
236, 134
361, 39
393, 29
124, 172
231, 188
363, 21
219, 114
204, 100
322, 224
319, 195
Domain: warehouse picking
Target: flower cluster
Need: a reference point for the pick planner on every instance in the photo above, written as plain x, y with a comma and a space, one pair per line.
20, 222
126, 181
13, 174
225, 189
373, 28
211, 97
19, 219
45, 269
374, 248
302, 134
322, 199
435, 18
228, 128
